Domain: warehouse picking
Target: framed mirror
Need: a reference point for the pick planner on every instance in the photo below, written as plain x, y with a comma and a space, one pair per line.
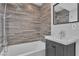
65, 13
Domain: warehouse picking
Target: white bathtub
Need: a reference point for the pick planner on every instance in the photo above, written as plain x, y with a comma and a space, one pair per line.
27, 49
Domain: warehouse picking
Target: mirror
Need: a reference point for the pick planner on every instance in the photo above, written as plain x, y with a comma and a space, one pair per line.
65, 13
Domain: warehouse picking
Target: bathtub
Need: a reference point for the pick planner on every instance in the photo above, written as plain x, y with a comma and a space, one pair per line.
36, 48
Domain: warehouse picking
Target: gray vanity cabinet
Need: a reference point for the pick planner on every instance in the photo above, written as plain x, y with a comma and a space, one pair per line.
50, 47
57, 49
69, 50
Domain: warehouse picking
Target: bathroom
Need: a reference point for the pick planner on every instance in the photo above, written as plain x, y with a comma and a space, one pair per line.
39, 29
23, 27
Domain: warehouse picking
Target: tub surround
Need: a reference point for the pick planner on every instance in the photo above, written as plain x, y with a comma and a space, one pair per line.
45, 20
27, 22
23, 23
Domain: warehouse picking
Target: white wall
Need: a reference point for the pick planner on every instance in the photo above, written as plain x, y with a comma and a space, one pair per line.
73, 15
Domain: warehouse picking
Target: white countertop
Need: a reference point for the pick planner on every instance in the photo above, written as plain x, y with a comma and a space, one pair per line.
62, 41
65, 33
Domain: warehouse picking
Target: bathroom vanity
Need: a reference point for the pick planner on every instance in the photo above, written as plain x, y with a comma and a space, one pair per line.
58, 49
65, 30
62, 42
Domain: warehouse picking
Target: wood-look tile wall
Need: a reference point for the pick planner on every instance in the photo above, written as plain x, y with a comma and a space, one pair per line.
27, 22
23, 23
45, 19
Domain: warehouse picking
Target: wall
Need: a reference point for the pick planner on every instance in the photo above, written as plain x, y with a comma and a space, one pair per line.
45, 20
27, 22
22, 23
74, 18
73, 15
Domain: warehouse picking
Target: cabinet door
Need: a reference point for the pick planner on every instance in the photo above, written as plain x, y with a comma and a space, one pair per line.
50, 48
54, 49
69, 50
59, 50
51, 51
